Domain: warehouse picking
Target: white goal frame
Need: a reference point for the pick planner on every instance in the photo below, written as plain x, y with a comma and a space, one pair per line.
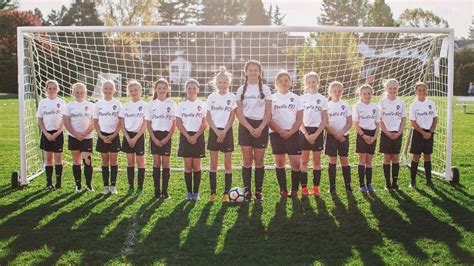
24, 179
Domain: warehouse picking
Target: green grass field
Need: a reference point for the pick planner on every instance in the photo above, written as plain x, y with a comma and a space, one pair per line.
427, 225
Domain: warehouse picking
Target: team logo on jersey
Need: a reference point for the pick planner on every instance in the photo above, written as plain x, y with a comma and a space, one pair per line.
318, 101
168, 109
373, 111
59, 105
429, 106
86, 108
140, 108
228, 102
114, 107
292, 99
199, 108
398, 107
343, 107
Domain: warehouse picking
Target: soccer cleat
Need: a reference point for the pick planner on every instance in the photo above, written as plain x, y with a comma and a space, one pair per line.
212, 197
78, 189
89, 188
396, 187
332, 190
412, 186
57, 185
294, 193
304, 192
225, 197
157, 194
113, 190
348, 189
130, 191
429, 182
363, 189
247, 195
389, 187
165, 195
370, 188
258, 197
196, 196
106, 190
50, 187
139, 192
189, 196
283, 194
316, 191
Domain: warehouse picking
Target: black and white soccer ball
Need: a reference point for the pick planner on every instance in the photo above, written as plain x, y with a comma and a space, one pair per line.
236, 195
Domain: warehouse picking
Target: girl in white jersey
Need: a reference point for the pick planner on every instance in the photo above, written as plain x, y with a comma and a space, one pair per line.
337, 139
315, 118
161, 123
52, 138
365, 116
254, 107
77, 116
132, 117
392, 122
191, 122
423, 118
108, 125
287, 117
220, 116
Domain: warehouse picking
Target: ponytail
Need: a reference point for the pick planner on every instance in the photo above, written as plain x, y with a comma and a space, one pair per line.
161, 81
260, 87
245, 89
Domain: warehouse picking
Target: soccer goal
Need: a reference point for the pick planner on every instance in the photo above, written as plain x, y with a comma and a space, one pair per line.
352, 55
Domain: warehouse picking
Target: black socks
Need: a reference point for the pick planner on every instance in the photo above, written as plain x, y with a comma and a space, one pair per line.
281, 178
213, 182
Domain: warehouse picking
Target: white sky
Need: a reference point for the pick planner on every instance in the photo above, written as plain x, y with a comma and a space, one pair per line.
458, 13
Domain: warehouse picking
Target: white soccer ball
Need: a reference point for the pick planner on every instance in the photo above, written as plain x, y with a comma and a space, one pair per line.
236, 195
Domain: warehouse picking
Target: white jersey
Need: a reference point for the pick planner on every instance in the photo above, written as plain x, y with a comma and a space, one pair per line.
107, 113
51, 112
161, 114
191, 113
423, 113
338, 112
285, 108
80, 115
253, 106
314, 105
367, 115
133, 114
220, 106
392, 113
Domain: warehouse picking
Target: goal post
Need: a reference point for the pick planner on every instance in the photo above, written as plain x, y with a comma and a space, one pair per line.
352, 55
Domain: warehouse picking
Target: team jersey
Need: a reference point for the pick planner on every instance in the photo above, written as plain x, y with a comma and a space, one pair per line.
133, 114
80, 115
285, 108
367, 115
314, 105
51, 112
161, 114
338, 112
107, 113
392, 112
220, 106
253, 106
423, 113
191, 113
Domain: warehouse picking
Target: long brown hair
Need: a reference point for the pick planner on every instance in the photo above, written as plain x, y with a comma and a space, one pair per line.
260, 82
161, 81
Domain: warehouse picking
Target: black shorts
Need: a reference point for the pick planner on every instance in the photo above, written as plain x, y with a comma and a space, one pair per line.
334, 147
75, 145
103, 147
318, 144
139, 148
188, 150
226, 146
246, 139
362, 146
52, 146
390, 146
291, 146
420, 145
163, 150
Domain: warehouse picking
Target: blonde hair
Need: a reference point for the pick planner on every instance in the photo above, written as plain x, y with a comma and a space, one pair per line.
332, 85
280, 74
308, 75
49, 82
111, 82
160, 81
77, 85
420, 83
222, 73
364, 87
132, 83
387, 84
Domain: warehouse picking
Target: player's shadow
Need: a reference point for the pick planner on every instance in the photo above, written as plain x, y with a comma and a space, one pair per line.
17, 204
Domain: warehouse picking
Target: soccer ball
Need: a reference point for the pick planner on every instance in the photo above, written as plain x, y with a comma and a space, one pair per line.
236, 195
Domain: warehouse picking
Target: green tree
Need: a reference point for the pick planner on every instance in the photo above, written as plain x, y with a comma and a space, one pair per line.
343, 12
277, 16
471, 29
55, 17
463, 61
81, 13
8, 5
418, 18
380, 15
222, 12
256, 14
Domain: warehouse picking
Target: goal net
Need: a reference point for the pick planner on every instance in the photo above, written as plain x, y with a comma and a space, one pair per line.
353, 56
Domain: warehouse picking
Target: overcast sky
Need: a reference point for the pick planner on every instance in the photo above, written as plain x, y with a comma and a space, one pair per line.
458, 13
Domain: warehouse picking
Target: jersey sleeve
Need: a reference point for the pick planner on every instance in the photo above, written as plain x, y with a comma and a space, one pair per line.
325, 105
174, 110
435, 110
65, 110
378, 117
267, 92
121, 109
299, 103
204, 109
412, 112
355, 116
404, 109
148, 111
239, 93
234, 102
95, 114
208, 101
348, 110
38, 112
177, 112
